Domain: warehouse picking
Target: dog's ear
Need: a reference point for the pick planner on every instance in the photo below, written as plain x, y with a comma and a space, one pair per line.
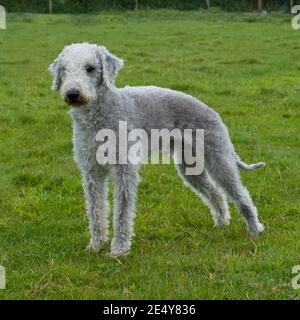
54, 69
111, 65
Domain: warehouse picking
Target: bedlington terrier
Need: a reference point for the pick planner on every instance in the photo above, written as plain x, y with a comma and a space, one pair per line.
85, 76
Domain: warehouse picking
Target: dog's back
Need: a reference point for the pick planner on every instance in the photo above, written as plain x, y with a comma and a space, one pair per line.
165, 108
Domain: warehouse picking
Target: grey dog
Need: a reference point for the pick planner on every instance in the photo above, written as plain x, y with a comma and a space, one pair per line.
85, 76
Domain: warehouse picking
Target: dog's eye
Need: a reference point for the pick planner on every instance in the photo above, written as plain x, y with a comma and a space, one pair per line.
89, 69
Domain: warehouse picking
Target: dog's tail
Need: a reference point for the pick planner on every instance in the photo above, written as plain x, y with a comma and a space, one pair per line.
248, 167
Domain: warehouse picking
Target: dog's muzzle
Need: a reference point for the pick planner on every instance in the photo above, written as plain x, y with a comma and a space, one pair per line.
74, 98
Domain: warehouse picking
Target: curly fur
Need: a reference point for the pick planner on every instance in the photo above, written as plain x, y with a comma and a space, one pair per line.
150, 107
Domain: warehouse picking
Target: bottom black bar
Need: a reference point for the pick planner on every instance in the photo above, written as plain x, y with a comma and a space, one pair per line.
151, 309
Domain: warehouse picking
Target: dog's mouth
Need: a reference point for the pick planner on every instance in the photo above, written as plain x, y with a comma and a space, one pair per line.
76, 103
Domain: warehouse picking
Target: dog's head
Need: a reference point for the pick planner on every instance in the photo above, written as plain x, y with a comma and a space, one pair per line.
81, 69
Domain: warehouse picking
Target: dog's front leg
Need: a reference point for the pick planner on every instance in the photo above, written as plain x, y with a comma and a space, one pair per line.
125, 179
95, 189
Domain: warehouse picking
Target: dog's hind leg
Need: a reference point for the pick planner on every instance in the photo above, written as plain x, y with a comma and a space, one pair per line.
213, 197
125, 180
224, 171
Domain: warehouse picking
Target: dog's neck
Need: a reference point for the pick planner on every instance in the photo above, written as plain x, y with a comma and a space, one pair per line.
95, 113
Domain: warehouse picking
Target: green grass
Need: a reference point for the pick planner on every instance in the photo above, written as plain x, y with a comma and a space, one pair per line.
245, 67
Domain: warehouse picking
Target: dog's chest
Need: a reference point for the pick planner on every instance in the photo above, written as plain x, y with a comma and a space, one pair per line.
84, 142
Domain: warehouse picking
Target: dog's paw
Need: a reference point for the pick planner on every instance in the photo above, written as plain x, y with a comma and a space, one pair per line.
95, 247
257, 230
115, 254
221, 223
119, 248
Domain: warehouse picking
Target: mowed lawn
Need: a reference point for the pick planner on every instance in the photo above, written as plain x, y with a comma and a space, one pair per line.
245, 67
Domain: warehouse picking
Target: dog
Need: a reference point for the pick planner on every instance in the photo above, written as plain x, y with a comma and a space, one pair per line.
85, 74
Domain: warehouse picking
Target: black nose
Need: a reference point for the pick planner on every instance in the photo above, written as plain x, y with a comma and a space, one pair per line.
73, 95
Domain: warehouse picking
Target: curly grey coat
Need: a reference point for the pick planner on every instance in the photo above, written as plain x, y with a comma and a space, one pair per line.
85, 76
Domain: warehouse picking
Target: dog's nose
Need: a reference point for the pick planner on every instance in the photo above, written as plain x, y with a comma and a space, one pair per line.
73, 95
